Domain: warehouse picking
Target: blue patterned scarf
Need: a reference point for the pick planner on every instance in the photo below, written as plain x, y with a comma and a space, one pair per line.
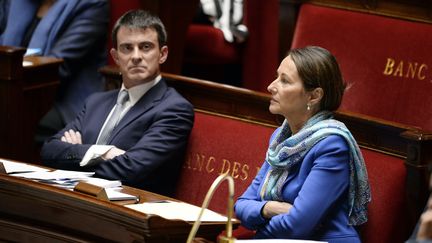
288, 150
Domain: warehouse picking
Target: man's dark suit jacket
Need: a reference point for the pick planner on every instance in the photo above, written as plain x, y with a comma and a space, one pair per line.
154, 133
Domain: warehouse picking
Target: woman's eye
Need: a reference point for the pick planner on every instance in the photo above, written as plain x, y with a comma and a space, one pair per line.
284, 81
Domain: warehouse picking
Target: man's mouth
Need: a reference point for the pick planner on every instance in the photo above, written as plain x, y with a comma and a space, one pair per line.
136, 68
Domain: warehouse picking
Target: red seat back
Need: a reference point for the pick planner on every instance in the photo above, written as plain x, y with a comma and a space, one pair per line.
207, 50
217, 145
387, 211
118, 8
386, 61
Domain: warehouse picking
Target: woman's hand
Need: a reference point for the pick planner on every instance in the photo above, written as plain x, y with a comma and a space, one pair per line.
273, 208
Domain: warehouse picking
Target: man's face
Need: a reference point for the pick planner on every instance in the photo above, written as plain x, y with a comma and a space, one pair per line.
138, 55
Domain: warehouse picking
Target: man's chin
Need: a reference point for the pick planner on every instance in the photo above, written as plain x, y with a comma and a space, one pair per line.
138, 77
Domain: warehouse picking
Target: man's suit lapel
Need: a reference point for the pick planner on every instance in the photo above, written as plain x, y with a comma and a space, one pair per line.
144, 104
100, 114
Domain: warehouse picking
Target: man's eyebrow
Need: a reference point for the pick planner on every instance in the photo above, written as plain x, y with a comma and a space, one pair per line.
124, 44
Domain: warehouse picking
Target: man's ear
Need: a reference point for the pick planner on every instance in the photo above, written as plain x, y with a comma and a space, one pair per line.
114, 55
316, 96
163, 54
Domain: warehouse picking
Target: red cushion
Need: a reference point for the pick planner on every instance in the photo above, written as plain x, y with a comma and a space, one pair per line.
366, 47
387, 211
206, 45
118, 8
261, 53
219, 144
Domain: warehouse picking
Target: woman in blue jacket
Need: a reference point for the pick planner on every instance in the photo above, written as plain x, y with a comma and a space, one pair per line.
313, 184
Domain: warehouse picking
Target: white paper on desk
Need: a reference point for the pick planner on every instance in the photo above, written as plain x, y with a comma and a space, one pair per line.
115, 195
103, 182
55, 175
177, 210
280, 241
15, 167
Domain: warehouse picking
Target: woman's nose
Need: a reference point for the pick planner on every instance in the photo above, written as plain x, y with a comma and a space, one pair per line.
271, 87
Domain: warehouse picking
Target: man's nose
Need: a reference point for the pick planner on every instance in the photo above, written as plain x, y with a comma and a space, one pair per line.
136, 55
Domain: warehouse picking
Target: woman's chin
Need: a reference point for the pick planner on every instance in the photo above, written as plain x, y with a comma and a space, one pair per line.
273, 110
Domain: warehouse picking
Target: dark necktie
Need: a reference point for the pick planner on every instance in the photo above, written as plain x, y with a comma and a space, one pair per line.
122, 98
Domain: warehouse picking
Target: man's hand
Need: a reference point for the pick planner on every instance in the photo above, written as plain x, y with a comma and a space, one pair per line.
113, 152
425, 229
273, 208
72, 137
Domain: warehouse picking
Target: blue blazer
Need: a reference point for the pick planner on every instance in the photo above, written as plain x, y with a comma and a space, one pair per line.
154, 133
318, 190
74, 30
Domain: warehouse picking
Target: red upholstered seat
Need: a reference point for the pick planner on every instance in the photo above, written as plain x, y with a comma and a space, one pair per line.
217, 145
208, 56
386, 61
387, 210
206, 41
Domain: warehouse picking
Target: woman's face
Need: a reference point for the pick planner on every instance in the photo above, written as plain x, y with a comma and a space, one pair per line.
289, 98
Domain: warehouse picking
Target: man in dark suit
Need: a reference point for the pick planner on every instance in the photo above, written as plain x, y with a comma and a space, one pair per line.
137, 134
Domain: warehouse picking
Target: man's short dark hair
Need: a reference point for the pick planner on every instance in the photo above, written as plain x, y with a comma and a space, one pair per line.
140, 19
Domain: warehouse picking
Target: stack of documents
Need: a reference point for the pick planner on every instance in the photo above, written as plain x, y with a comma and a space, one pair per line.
65, 178
61, 178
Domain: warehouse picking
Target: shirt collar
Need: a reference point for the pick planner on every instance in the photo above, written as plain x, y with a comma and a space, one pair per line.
136, 92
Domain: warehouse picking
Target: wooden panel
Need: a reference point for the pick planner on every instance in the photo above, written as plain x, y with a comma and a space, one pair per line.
26, 94
36, 212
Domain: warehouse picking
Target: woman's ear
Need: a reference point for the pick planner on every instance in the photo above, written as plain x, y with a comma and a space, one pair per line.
316, 96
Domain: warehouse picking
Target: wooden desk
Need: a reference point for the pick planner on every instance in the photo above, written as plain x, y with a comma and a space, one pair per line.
26, 94
34, 212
